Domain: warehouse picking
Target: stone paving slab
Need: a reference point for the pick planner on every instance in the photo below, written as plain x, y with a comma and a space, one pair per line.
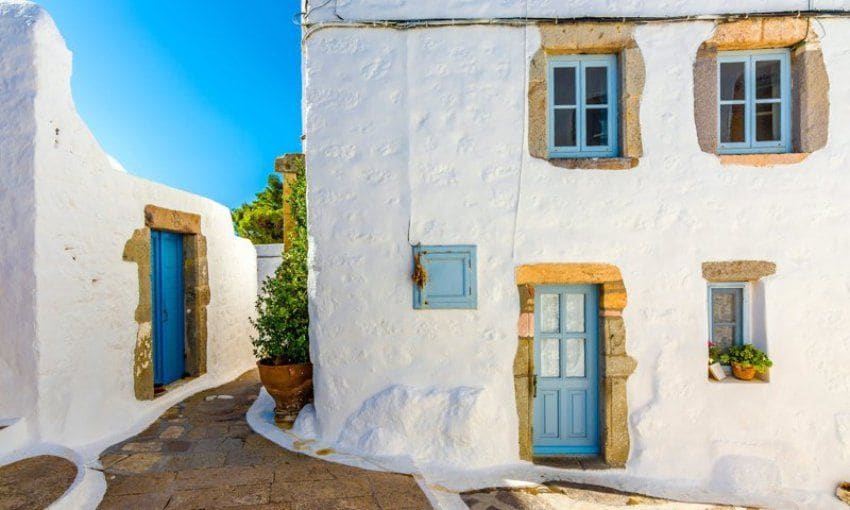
201, 454
35, 483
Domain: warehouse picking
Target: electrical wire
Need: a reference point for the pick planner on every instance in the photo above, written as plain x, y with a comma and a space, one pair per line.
311, 28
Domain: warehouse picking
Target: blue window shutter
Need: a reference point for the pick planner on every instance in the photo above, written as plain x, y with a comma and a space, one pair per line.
451, 279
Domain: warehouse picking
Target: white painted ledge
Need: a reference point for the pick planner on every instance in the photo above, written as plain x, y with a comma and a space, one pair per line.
260, 418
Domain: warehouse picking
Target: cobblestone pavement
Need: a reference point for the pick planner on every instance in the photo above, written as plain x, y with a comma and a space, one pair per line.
35, 483
558, 495
201, 454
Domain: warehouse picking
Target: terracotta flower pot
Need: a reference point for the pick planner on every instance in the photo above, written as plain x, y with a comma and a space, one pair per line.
742, 372
291, 387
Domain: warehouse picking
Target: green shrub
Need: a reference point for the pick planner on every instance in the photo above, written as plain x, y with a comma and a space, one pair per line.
282, 318
747, 356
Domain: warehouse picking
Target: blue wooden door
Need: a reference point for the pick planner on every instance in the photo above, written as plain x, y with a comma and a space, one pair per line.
566, 361
169, 311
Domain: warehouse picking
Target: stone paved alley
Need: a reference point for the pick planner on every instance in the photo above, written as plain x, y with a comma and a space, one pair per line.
202, 454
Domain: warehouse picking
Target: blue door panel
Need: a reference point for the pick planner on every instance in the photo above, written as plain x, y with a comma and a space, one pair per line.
169, 320
578, 421
566, 360
551, 410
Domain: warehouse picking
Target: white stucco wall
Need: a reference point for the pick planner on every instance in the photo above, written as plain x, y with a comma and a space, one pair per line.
17, 222
70, 213
268, 259
420, 136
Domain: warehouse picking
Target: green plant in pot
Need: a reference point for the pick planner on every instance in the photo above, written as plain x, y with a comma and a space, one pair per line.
746, 361
282, 342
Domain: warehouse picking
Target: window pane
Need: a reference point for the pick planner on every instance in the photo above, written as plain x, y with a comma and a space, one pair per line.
732, 81
767, 79
550, 313
550, 357
575, 313
723, 307
768, 122
565, 127
575, 358
565, 85
732, 123
724, 336
596, 124
596, 85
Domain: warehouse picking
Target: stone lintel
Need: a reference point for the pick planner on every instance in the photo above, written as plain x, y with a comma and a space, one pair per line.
759, 33
737, 270
160, 218
567, 274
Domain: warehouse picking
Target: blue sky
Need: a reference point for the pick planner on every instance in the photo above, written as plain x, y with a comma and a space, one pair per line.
201, 95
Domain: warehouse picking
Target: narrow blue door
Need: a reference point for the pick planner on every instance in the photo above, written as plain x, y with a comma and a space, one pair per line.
169, 310
566, 361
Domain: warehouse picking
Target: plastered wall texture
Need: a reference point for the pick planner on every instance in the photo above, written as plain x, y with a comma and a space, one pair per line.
269, 257
420, 136
17, 223
72, 316
809, 84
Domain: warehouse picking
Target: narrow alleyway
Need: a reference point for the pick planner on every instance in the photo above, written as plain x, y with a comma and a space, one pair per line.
202, 454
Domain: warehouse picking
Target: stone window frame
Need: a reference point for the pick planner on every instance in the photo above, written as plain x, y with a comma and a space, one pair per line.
589, 38
748, 273
196, 292
616, 364
809, 85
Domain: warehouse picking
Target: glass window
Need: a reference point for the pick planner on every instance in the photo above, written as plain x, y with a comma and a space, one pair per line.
583, 106
727, 314
753, 102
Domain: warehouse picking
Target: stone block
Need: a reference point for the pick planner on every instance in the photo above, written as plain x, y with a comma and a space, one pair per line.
737, 270
566, 274
810, 99
619, 366
160, 218
737, 35
524, 356
614, 331
783, 32
763, 160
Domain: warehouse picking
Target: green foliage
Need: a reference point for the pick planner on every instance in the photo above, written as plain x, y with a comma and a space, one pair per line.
282, 319
261, 221
714, 353
747, 356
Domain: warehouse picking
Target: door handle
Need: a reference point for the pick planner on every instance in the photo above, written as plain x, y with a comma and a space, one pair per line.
534, 386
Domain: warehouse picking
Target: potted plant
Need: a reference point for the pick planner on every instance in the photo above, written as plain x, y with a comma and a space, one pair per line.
746, 361
715, 369
282, 342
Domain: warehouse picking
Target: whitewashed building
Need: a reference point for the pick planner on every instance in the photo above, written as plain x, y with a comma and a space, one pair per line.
80, 346
594, 190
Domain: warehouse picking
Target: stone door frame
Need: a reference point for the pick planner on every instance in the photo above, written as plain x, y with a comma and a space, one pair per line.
196, 292
616, 364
